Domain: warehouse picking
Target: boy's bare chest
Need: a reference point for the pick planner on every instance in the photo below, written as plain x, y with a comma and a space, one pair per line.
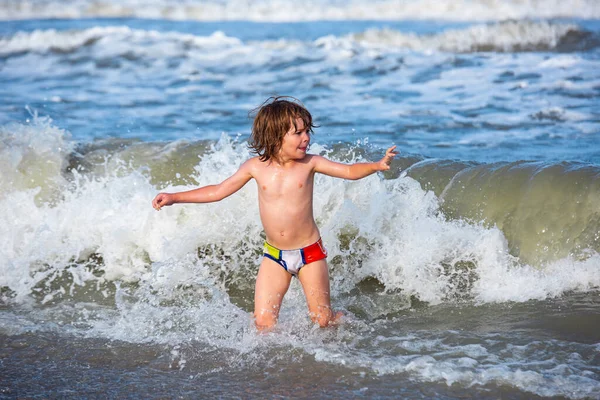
284, 183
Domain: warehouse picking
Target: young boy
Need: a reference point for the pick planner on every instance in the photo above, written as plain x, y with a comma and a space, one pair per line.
284, 174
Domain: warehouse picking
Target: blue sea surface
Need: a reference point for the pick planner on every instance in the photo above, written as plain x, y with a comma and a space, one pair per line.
452, 90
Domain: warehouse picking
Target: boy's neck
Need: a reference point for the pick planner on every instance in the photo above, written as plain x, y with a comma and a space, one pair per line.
284, 162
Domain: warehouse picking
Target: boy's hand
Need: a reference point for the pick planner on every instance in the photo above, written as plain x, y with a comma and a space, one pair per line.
390, 153
162, 199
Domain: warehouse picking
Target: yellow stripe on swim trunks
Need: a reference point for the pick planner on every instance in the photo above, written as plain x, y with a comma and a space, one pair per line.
272, 251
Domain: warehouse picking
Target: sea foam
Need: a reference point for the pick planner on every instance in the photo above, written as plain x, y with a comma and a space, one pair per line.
374, 228
510, 36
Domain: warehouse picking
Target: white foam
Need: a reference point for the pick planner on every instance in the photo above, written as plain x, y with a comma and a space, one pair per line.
109, 213
276, 10
505, 36
561, 61
113, 38
33, 155
219, 49
544, 369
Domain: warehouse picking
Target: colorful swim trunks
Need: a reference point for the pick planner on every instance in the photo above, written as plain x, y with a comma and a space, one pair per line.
293, 260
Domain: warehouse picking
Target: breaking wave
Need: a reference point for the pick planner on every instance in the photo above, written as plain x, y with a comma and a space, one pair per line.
511, 36
489, 230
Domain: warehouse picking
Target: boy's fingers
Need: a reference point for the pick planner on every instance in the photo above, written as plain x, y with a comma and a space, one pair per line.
390, 152
389, 155
156, 202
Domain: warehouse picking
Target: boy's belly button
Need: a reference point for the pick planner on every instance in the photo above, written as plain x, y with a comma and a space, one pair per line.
282, 233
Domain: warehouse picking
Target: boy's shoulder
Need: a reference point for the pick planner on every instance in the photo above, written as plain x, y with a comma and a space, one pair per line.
252, 162
314, 158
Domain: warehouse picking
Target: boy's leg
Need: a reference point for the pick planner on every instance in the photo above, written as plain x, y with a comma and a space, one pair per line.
272, 282
314, 278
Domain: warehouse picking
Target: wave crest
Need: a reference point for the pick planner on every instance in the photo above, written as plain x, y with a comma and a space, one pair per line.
42, 41
510, 36
101, 229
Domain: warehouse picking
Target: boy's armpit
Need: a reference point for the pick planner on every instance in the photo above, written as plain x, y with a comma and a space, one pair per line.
249, 167
235, 182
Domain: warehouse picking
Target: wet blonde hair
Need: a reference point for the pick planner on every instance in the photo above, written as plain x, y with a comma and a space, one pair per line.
273, 120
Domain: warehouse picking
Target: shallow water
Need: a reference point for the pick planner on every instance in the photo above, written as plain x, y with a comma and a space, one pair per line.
449, 351
470, 269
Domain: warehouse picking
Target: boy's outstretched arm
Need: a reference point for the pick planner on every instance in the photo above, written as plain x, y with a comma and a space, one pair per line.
354, 171
207, 194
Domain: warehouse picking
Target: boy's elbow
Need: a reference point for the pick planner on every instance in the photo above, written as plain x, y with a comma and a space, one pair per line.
221, 192
207, 194
352, 173
217, 195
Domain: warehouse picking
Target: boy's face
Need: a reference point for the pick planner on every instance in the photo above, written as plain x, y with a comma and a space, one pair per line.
296, 141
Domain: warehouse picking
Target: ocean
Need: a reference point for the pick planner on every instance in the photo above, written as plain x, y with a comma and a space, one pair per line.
470, 269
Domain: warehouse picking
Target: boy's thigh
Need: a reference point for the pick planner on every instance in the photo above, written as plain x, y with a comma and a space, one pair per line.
314, 278
272, 283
